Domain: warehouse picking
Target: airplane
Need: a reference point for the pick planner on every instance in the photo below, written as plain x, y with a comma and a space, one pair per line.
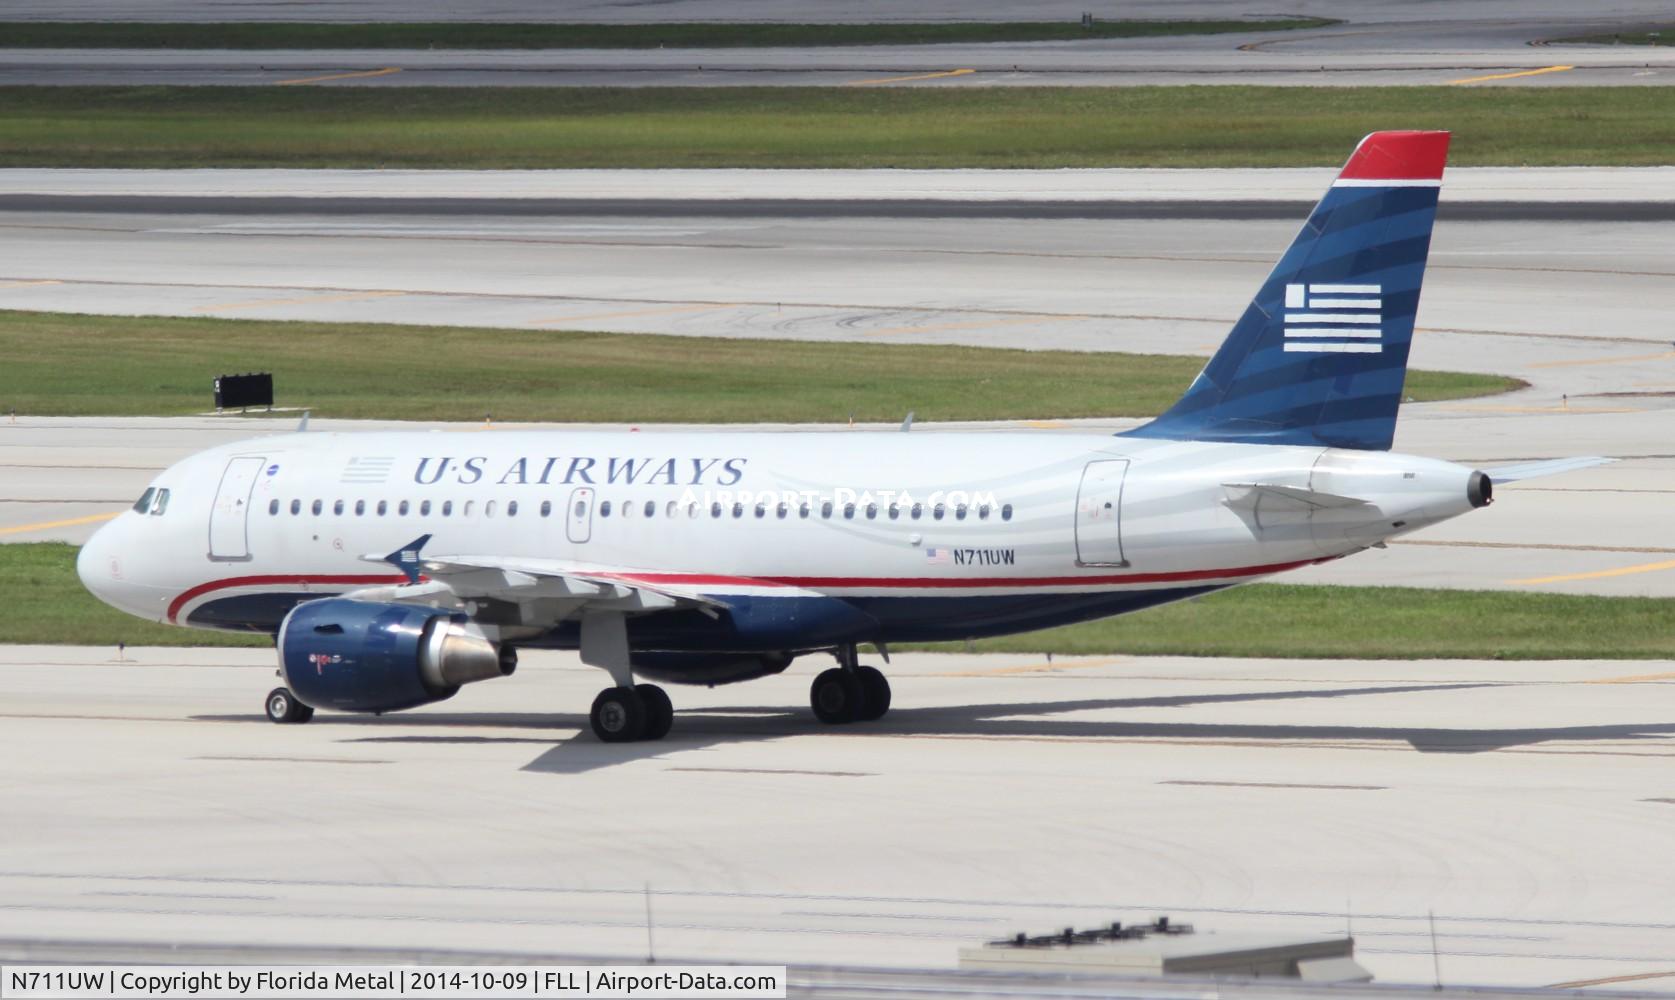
393, 568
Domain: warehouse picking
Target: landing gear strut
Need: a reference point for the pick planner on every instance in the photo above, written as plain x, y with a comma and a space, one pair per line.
283, 707
629, 711
849, 692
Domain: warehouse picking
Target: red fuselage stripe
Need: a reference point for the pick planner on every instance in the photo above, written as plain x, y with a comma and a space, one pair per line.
807, 582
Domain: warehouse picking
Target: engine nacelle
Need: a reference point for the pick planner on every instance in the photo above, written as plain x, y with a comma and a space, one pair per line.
708, 668
356, 656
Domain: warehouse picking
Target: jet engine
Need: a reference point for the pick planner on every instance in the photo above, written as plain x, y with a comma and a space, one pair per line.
708, 668
356, 656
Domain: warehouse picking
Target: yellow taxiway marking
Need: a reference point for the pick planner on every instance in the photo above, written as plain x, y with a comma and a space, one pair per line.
909, 79
306, 301
23, 529
1604, 361
1635, 679
1581, 983
1046, 425
636, 312
1651, 567
29, 284
386, 71
1512, 76
934, 327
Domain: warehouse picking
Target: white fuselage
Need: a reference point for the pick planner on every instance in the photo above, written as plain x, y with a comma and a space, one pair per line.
930, 535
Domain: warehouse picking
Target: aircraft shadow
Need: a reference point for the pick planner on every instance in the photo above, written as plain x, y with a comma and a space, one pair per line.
697, 730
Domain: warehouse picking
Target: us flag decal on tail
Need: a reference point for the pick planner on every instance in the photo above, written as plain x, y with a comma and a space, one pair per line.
1333, 319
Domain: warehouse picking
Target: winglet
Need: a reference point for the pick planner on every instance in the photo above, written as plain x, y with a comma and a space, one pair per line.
406, 558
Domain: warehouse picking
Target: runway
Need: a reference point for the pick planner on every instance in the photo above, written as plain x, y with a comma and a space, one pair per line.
1499, 43
1576, 308
1523, 803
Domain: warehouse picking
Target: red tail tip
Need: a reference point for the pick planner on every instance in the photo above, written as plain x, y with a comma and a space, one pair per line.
1398, 156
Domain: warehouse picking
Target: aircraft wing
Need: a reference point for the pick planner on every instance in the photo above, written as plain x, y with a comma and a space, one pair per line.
1550, 467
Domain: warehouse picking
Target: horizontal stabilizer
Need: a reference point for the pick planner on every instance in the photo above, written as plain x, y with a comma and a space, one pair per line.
1550, 467
1273, 497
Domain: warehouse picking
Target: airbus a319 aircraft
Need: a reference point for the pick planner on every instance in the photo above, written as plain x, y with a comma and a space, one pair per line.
392, 568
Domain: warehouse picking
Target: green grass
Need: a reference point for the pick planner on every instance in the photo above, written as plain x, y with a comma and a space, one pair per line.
482, 35
46, 604
1397, 623
817, 126
57, 364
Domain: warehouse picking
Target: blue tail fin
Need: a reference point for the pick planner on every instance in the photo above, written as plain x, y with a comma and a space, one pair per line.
1320, 354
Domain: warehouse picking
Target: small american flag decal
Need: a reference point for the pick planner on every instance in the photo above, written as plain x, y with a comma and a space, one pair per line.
1333, 319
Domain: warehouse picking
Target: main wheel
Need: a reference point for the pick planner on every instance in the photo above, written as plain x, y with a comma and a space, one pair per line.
660, 712
618, 716
877, 693
837, 696
283, 707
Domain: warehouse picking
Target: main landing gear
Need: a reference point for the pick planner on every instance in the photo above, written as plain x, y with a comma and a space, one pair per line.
283, 707
849, 692
627, 713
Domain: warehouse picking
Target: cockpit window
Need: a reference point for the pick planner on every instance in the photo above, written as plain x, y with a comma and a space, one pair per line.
143, 504
160, 503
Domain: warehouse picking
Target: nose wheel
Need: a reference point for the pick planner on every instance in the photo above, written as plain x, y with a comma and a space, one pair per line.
625, 714
283, 707
857, 694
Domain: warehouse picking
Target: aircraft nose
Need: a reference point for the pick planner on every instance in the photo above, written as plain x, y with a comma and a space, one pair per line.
94, 564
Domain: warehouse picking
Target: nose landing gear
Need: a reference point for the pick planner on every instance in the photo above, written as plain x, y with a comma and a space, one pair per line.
850, 692
283, 707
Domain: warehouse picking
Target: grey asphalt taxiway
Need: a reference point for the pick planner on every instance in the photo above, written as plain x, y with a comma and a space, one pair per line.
1486, 42
147, 801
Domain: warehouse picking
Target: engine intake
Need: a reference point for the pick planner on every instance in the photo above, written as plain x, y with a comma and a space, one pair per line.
357, 656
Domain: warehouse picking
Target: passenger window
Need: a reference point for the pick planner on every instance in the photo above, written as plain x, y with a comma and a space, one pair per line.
447, 508
939, 510
761, 509
383, 507
604, 508
918, 511
1006, 512
895, 511
143, 504
872, 511
511, 508
715, 510
488, 509
627, 509
546, 508
848, 512
738, 510
581, 508
651, 508
161, 503
465, 511
424, 508
802, 510
782, 510
959, 512
296, 506
983, 512
318, 508
360, 507
826, 509
337, 508
670, 508
692, 508
402, 508
273, 507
